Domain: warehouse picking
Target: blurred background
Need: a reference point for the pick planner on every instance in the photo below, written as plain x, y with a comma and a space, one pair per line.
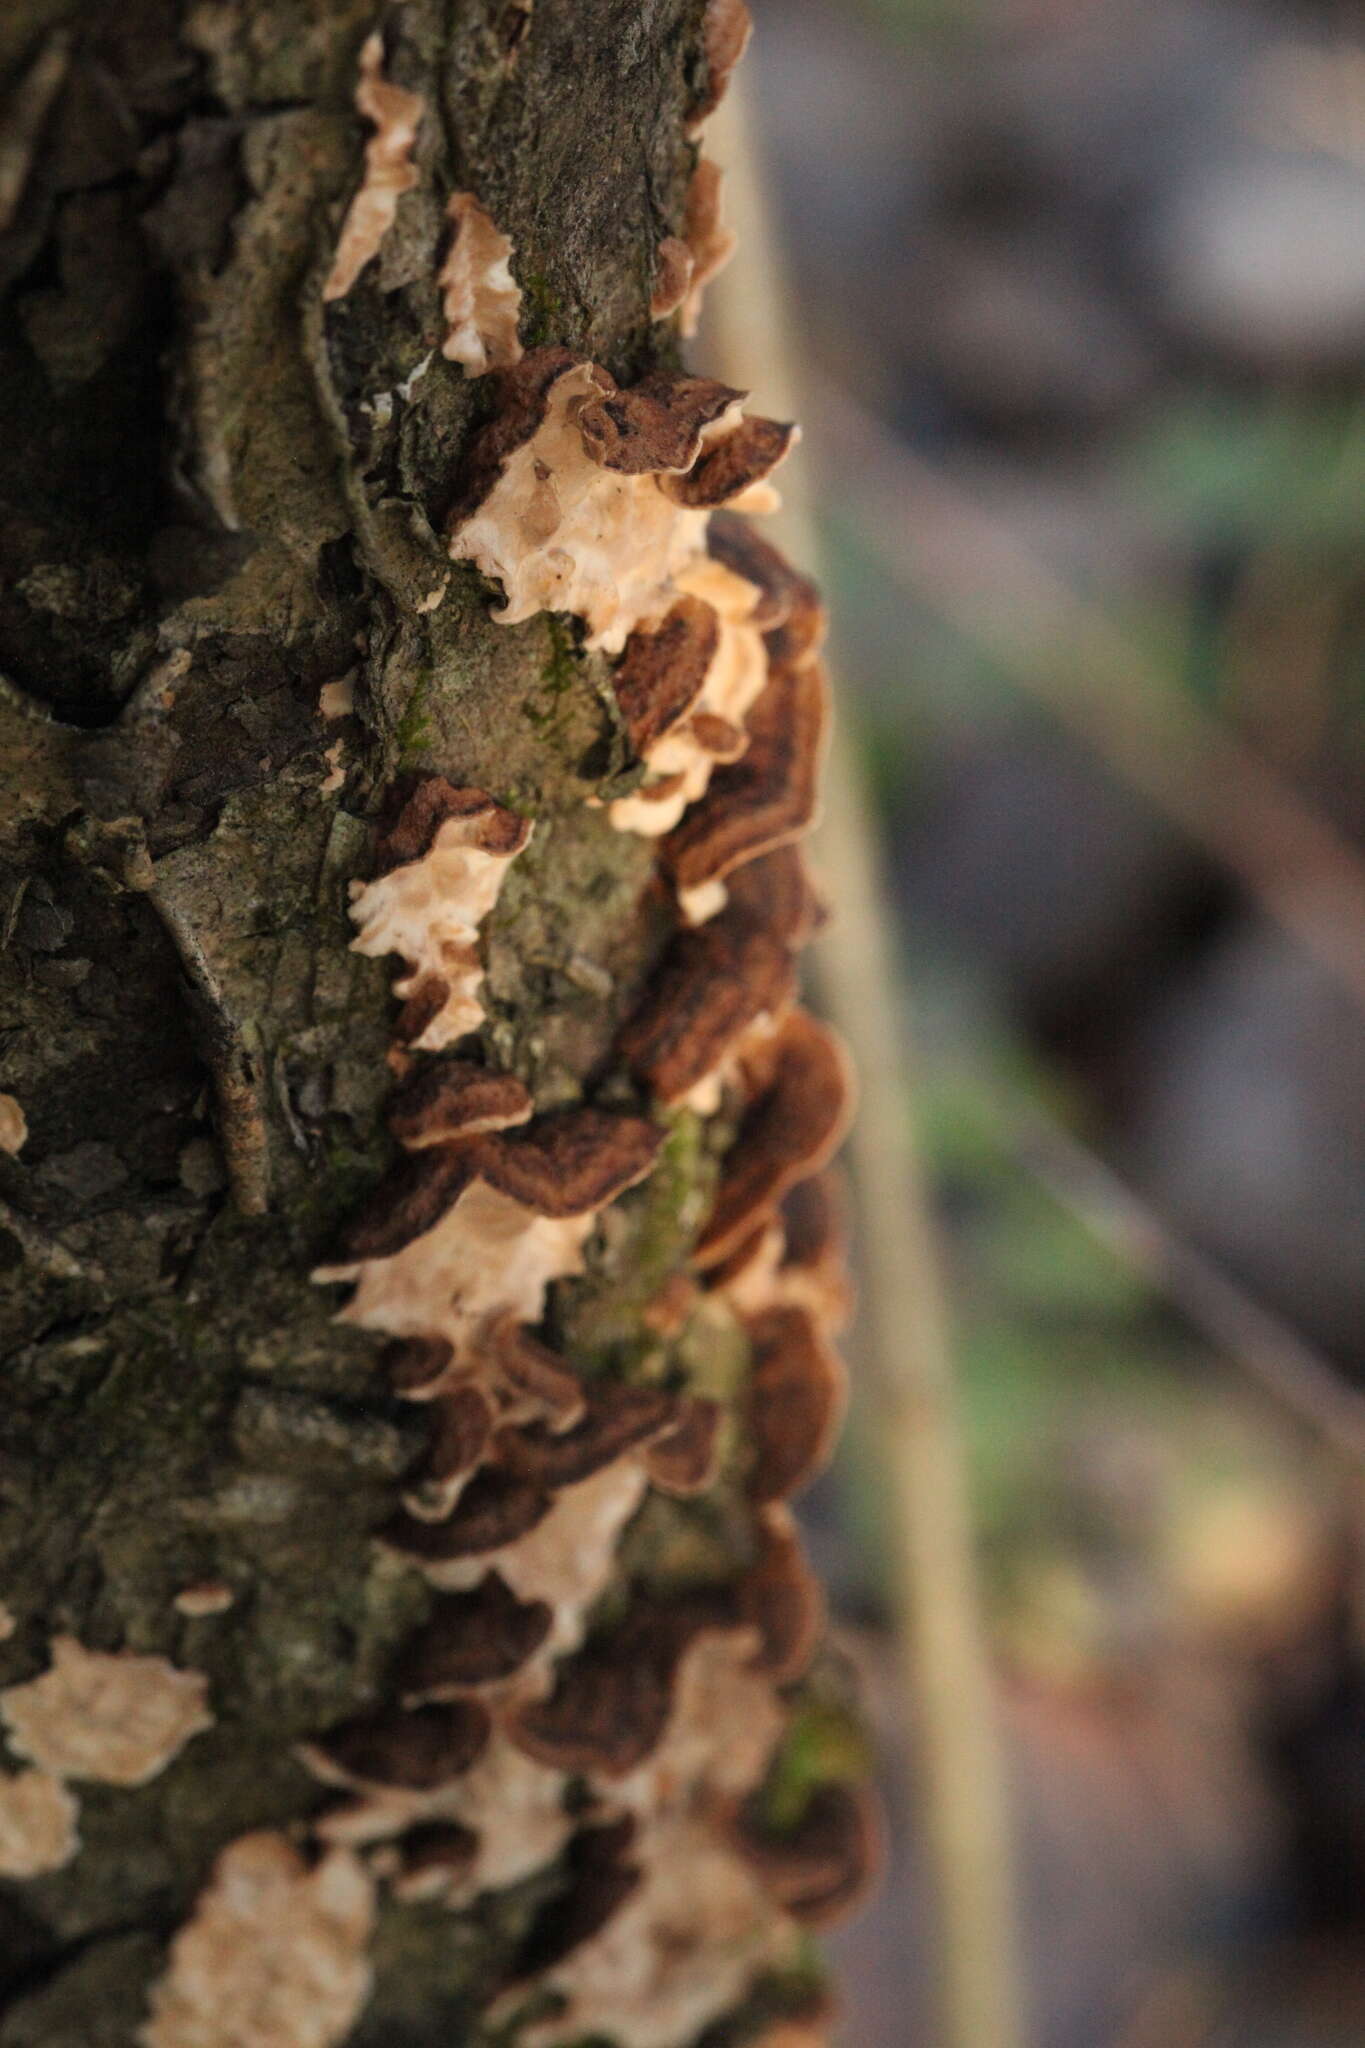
1078, 291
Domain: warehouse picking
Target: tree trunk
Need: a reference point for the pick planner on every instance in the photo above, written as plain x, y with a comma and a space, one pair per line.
449, 1667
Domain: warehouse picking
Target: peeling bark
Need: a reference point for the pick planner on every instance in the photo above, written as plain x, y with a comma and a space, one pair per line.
230, 632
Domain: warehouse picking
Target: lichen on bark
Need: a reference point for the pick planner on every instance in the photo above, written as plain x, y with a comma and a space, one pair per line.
221, 498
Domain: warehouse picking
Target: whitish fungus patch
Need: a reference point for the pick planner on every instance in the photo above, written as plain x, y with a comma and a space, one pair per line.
480, 297
274, 1956
444, 861
487, 1255
37, 1824
119, 1719
389, 170
13, 1125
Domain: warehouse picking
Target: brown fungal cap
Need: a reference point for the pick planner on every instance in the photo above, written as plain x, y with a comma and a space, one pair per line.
782, 1599
733, 463
764, 799
413, 1750
442, 861
776, 892
462, 1429
568, 1163
472, 1639
726, 28
529, 1369
411, 832
818, 1870
445, 1099
714, 982
814, 1270
712, 244
661, 674
572, 1161
796, 1398
654, 427
416, 1366
495, 1508
409, 1201
786, 592
433, 1859
599, 1880
790, 1130
616, 1419
683, 1459
611, 1700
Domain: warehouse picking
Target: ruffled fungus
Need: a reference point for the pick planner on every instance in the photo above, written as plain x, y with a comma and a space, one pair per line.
442, 864
766, 798
797, 1117
471, 1640
480, 298
686, 688
389, 170
462, 1234
565, 503
796, 1399
820, 1868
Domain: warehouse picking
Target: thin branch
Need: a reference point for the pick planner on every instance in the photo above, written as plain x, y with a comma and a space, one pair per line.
960, 561
1262, 1343
947, 1676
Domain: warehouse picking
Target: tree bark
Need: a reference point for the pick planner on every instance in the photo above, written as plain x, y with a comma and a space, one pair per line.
231, 640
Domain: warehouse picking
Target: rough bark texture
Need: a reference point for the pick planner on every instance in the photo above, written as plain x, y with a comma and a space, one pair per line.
217, 496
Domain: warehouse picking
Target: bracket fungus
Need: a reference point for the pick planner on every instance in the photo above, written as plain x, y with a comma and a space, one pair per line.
389, 169
821, 1866
568, 502
800, 1103
442, 863
480, 298
462, 1234
119, 1719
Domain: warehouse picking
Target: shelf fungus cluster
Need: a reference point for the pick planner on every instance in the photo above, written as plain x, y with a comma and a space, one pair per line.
558, 1714
530, 1725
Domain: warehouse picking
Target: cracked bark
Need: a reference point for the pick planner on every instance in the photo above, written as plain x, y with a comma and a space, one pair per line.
216, 497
